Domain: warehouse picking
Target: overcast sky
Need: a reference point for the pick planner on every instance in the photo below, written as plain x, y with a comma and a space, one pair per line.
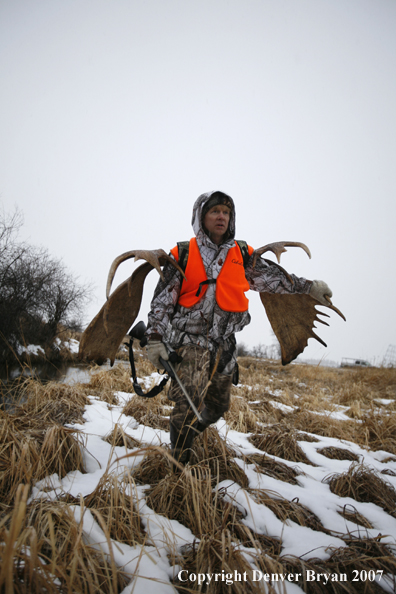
115, 116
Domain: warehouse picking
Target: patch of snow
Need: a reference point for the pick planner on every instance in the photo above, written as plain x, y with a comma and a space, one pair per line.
30, 349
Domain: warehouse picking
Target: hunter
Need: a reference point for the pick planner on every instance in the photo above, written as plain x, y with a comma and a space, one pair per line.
198, 317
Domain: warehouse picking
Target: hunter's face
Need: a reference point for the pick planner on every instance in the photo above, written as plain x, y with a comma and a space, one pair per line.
216, 222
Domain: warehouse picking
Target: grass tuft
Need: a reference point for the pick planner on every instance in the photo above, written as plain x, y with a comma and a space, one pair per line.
364, 484
281, 441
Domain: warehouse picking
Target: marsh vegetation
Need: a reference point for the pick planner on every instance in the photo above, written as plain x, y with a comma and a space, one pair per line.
300, 475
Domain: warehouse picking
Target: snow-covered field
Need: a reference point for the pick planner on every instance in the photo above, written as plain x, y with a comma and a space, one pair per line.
155, 565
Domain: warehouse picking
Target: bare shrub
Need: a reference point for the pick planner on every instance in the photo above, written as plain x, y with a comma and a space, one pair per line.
38, 294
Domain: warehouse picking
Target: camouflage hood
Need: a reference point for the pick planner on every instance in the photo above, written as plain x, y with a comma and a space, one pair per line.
197, 222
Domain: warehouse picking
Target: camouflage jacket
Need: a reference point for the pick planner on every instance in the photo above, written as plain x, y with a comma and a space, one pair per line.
205, 324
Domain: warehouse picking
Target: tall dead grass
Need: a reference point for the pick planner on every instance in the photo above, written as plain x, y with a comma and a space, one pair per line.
281, 441
364, 484
359, 557
113, 499
42, 548
217, 553
29, 454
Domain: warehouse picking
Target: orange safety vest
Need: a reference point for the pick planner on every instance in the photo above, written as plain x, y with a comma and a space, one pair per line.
231, 282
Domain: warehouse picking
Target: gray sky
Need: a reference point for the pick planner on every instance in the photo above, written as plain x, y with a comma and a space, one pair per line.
115, 116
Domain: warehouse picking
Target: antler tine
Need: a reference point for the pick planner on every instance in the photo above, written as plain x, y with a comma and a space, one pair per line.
154, 257
278, 248
334, 308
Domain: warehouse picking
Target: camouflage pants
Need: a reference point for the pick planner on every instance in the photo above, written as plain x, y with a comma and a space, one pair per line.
208, 389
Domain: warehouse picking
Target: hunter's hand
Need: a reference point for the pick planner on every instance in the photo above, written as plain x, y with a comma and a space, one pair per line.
156, 349
318, 291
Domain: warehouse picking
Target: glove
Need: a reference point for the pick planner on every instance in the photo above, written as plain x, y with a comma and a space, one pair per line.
156, 349
318, 291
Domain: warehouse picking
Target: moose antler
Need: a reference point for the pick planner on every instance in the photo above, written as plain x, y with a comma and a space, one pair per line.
103, 336
156, 258
292, 316
278, 248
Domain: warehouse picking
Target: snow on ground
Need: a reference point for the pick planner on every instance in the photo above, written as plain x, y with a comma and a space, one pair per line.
164, 535
30, 349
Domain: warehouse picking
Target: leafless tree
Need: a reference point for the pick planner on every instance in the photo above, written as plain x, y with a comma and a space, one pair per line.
37, 293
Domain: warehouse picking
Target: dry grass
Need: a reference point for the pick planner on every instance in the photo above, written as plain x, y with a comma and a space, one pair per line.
212, 451
50, 402
361, 555
281, 441
240, 417
118, 438
364, 484
188, 498
379, 431
42, 547
277, 470
28, 455
351, 514
153, 468
338, 454
213, 554
287, 510
42, 550
104, 382
113, 499
323, 425
150, 412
